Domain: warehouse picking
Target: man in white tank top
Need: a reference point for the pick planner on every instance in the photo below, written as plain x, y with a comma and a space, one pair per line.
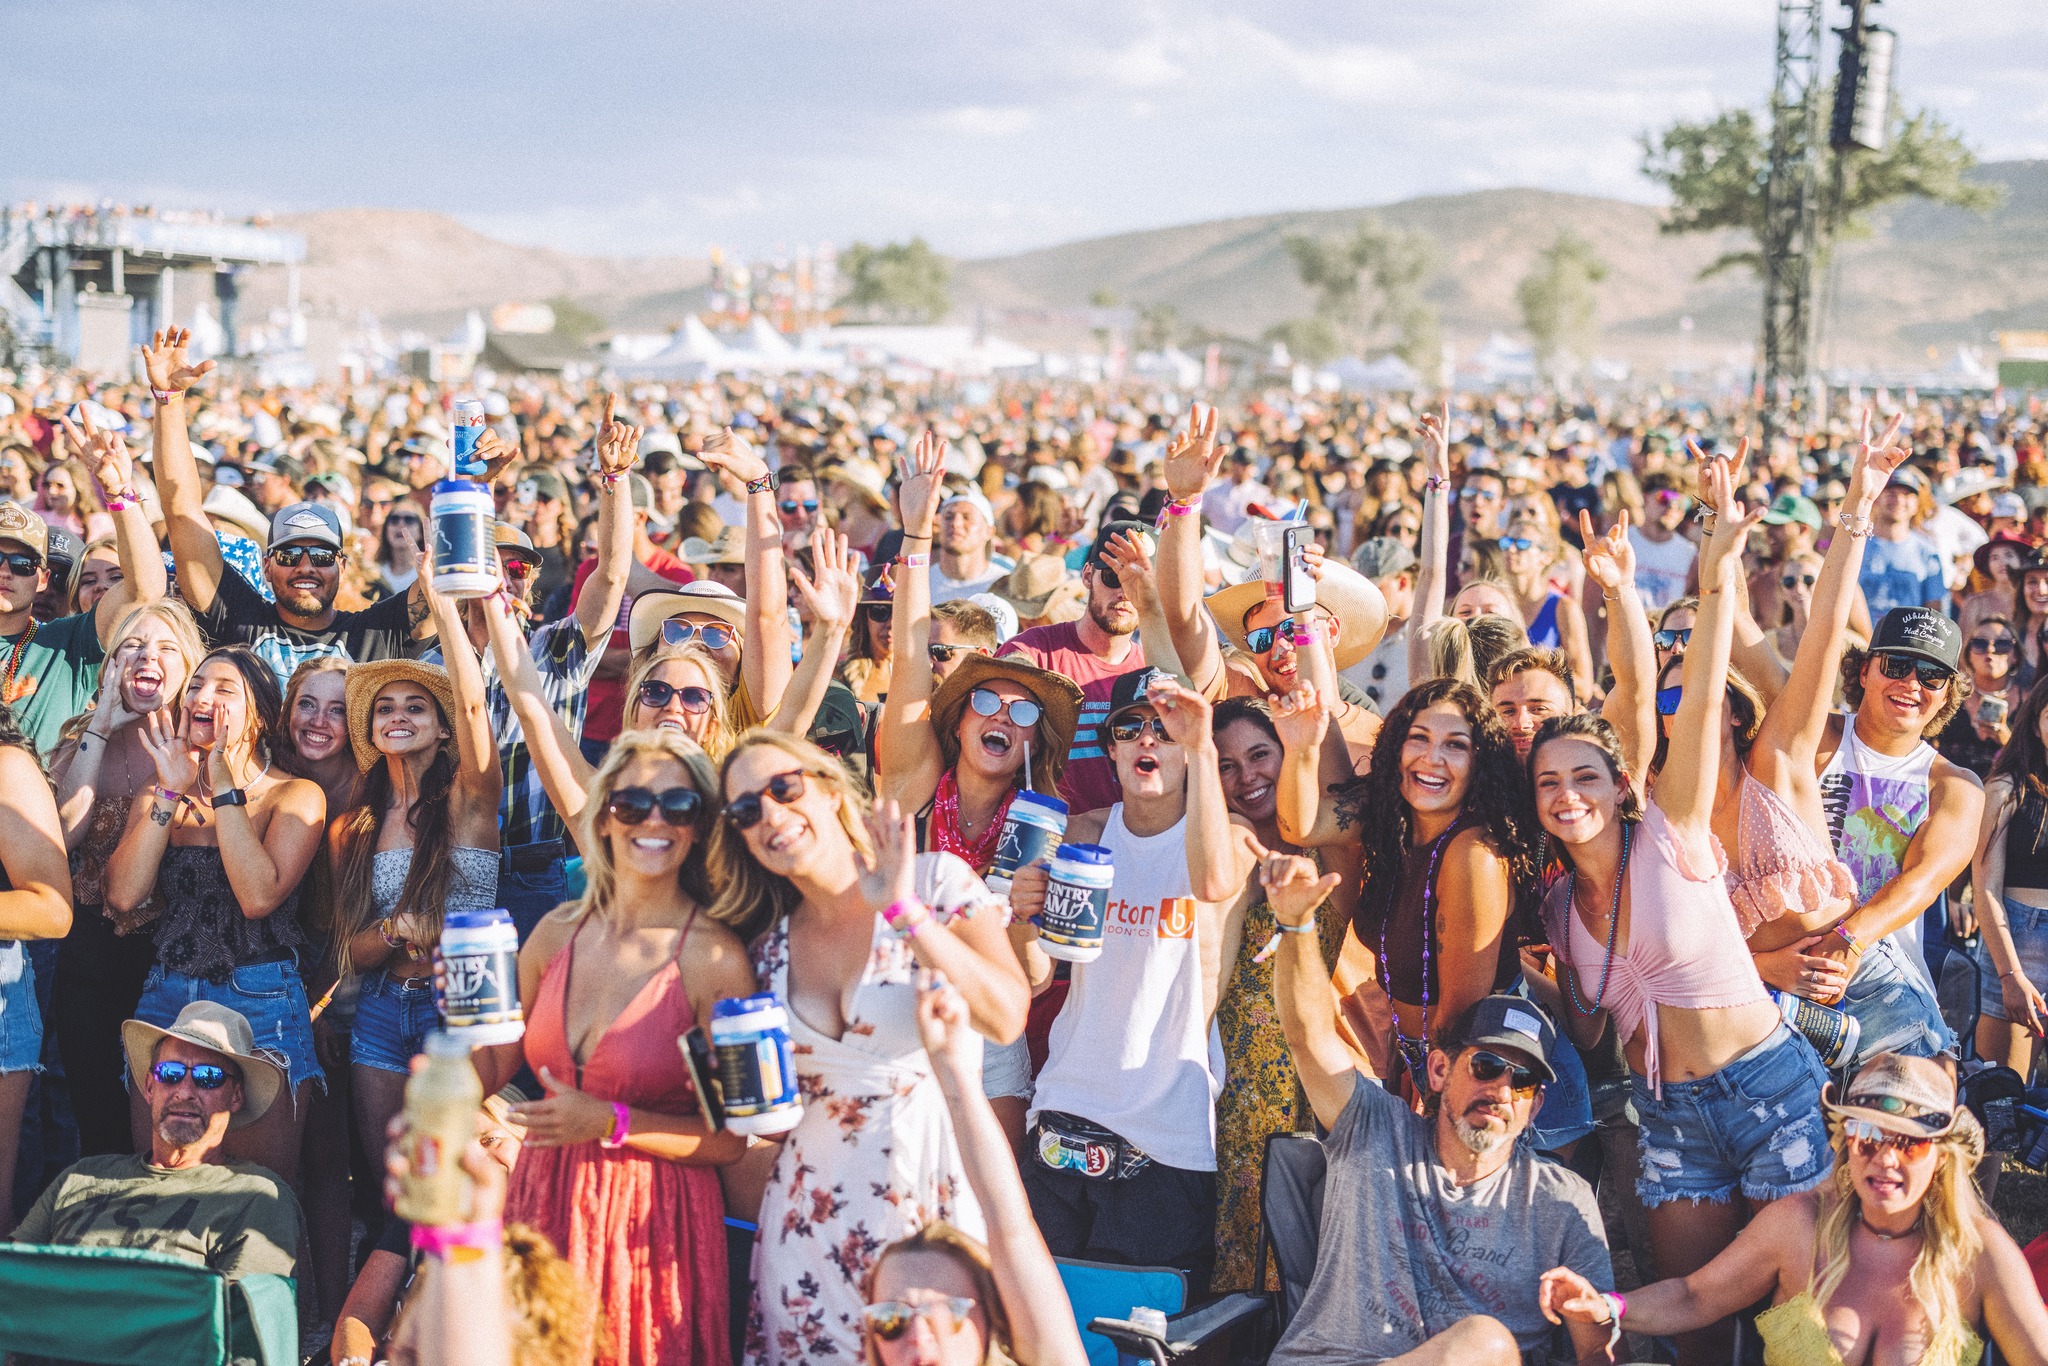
1122, 1162
1903, 819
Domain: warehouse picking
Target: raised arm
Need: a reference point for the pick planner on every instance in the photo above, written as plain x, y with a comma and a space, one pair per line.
142, 568
177, 475
764, 658
906, 749
1129, 557
833, 597
1307, 816
77, 770
597, 605
263, 867
564, 773
478, 779
1042, 1329
1301, 986
1631, 704
1783, 755
38, 902
1191, 463
1220, 854
1432, 576
1692, 763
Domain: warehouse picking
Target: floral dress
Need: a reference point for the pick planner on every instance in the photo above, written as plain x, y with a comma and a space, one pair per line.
873, 1158
1261, 1092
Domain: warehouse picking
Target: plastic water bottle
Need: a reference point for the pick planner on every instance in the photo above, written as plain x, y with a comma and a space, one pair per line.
441, 1101
466, 421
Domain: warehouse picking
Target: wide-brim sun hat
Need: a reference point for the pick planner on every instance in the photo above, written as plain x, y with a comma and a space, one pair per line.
1033, 584
365, 681
220, 1029
650, 610
1060, 697
1915, 1097
1360, 610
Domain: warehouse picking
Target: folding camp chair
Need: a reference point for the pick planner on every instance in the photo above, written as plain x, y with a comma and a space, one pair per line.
125, 1307
1105, 1294
1290, 1217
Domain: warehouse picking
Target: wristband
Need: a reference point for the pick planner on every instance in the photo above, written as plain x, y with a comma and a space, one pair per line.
609, 480
1616, 1307
767, 483
165, 395
1848, 937
167, 795
622, 1122
1307, 926
917, 561
906, 917
1434, 483
459, 1242
1175, 507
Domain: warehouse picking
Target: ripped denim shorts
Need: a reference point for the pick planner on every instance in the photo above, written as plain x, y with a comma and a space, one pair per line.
1756, 1125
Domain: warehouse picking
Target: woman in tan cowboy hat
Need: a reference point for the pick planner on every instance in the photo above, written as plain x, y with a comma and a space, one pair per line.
1894, 1258
421, 840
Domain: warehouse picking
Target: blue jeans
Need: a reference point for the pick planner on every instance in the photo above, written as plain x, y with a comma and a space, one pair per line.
394, 1015
1755, 1125
1897, 1012
1566, 1114
528, 887
269, 996
21, 1020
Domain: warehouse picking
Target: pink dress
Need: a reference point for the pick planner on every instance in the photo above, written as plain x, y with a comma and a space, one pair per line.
645, 1235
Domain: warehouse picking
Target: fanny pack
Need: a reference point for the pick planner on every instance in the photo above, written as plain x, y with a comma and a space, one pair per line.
1065, 1142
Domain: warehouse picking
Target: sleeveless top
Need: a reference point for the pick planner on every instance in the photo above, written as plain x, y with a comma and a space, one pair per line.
1780, 867
634, 1058
1794, 1334
1403, 932
1543, 632
202, 931
474, 886
1874, 802
1132, 1049
2026, 858
1684, 949
103, 831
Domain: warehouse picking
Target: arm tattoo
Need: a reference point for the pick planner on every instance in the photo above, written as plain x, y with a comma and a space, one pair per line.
160, 814
416, 611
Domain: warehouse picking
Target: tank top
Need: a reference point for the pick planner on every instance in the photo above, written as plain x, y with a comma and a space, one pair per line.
2026, 834
1133, 1049
1874, 802
1543, 632
1403, 936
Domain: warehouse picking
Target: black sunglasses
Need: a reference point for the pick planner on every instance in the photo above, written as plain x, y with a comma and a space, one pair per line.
1131, 727
632, 805
292, 556
1671, 640
1933, 677
745, 811
1108, 575
1023, 710
2002, 646
1259, 640
943, 654
404, 519
676, 631
1486, 1066
656, 694
1794, 580
207, 1076
21, 564
878, 611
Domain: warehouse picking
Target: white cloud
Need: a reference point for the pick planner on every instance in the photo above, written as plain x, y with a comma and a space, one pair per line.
988, 121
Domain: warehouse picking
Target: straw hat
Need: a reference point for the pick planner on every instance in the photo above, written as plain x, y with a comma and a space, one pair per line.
213, 1026
1360, 610
863, 478
365, 681
650, 610
1033, 584
1060, 697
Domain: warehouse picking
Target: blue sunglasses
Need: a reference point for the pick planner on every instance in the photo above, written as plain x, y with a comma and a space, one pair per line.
1668, 700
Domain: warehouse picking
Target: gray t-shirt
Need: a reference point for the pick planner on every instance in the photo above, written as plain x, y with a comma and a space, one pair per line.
1404, 1252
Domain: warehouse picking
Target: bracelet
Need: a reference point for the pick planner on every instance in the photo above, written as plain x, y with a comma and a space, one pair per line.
459, 1242
917, 535
1616, 1307
906, 917
1280, 927
767, 483
391, 941
1857, 527
1848, 937
919, 561
1175, 507
165, 794
1434, 484
609, 480
622, 1122
165, 395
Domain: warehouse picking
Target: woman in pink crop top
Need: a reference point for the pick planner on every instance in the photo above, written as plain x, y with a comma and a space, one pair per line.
1642, 927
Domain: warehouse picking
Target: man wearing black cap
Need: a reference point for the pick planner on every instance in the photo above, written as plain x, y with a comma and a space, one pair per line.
1094, 652
1435, 1227
1904, 820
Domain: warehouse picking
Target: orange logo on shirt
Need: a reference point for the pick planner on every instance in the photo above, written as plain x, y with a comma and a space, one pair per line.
1177, 918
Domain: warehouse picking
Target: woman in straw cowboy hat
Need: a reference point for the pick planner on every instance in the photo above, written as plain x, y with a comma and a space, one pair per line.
1898, 1213
421, 840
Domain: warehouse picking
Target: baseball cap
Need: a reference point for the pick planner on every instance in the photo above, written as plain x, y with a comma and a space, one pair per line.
23, 527
1511, 1022
63, 551
1381, 556
2009, 504
1901, 1095
1792, 507
306, 522
546, 484
1125, 526
1905, 476
1921, 633
511, 540
1131, 690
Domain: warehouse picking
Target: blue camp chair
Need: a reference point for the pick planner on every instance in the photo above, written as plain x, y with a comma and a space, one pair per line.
126, 1307
1104, 1294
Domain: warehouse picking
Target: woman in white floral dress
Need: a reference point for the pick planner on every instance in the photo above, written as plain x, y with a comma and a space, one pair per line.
846, 911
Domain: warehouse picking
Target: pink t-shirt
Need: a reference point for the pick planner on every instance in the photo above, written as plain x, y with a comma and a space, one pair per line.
1089, 782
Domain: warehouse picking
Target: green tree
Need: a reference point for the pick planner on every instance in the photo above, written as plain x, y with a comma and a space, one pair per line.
573, 321
1313, 340
1158, 325
1715, 172
1559, 299
1369, 289
899, 282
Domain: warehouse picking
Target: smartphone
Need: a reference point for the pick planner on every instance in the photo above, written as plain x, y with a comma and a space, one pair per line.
1991, 711
1298, 586
702, 1065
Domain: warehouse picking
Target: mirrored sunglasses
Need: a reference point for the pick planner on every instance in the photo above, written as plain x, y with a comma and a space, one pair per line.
676, 631
1023, 711
207, 1076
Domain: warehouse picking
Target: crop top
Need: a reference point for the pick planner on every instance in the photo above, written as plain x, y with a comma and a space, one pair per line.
2026, 843
1781, 866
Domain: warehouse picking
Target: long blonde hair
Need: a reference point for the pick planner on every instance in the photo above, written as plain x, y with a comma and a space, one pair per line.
718, 731
601, 879
972, 1257
1949, 1246
749, 897
177, 619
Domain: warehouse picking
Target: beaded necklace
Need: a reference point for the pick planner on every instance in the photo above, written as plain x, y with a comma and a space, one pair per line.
1613, 926
7, 693
1436, 853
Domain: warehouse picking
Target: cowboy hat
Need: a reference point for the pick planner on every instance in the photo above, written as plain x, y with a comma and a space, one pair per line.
1033, 584
233, 507
729, 548
650, 610
1901, 1095
863, 478
1344, 592
213, 1026
365, 681
1060, 698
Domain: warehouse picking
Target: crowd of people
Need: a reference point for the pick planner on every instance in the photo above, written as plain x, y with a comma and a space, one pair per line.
1628, 846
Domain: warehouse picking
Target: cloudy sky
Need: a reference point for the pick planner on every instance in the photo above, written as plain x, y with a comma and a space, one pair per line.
651, 126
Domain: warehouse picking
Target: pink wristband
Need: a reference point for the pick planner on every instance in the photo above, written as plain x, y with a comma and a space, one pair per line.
439, 1240
906, 917
622, 1121
917, 561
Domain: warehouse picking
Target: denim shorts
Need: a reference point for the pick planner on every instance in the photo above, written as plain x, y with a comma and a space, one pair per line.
1893, 1005
269, 996
21, 1021
1006, 1069
2029, 925
1756, 1125
1566, 1114
394, 1015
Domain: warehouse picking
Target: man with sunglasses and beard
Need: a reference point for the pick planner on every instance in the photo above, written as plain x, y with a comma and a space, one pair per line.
1435, 1226
200, 1078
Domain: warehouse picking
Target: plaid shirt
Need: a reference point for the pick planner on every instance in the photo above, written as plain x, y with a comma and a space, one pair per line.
565, 662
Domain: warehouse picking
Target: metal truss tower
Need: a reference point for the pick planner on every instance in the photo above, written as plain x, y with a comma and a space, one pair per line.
1792, 208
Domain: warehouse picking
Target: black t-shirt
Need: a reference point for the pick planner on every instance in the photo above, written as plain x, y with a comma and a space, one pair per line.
555, 573
241, 615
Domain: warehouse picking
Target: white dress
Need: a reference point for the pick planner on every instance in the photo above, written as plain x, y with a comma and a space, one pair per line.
873, 1159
